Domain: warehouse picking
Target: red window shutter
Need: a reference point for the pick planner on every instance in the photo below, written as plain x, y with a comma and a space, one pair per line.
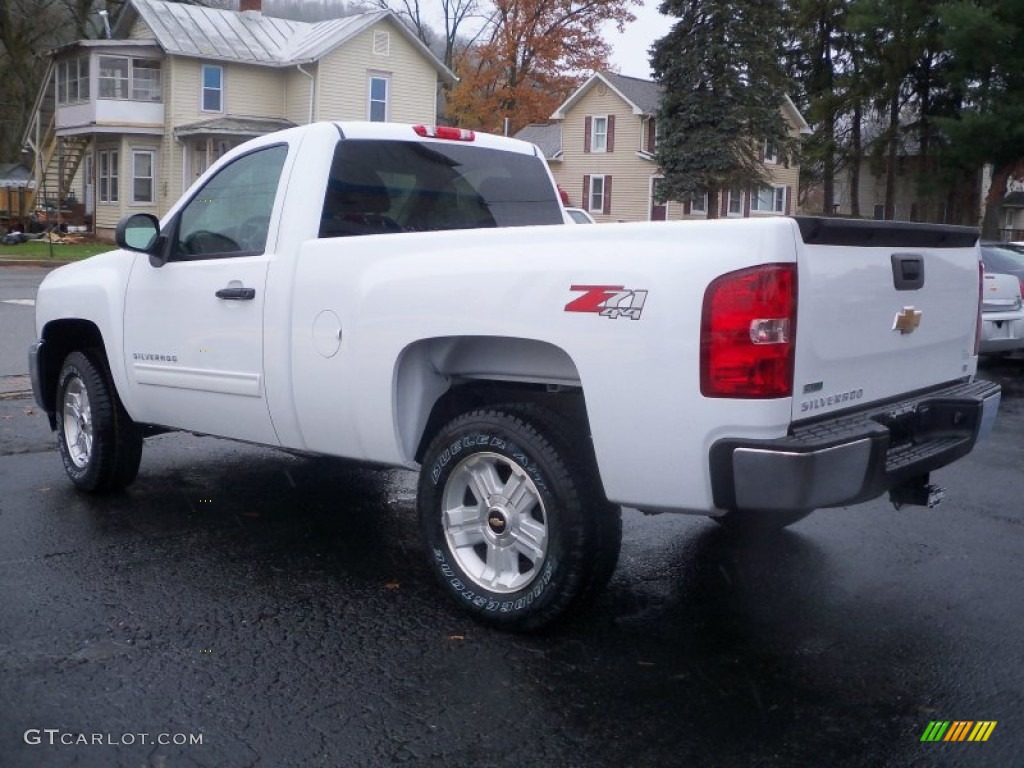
789, 200
686, 208
585, 205
607, 192
652, 136
611, 133
586, 134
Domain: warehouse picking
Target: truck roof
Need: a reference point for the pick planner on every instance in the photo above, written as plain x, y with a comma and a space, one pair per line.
406, 132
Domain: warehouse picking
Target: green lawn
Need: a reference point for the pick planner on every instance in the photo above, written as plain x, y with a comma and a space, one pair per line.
41, 251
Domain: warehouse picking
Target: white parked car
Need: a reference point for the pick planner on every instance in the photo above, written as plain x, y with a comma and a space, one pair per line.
579, 216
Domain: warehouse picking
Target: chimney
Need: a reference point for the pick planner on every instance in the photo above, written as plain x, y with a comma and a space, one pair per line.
250, 5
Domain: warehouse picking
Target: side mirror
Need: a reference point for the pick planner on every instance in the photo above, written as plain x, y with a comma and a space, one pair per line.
141, 232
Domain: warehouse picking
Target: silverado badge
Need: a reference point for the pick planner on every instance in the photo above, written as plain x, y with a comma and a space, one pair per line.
907, 320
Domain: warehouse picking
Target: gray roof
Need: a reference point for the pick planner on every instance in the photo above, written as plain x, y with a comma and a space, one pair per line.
547, 137
645, 94
644, 97
14, 175
245, 127
254, 38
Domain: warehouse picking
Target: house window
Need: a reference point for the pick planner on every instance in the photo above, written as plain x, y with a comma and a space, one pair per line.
771, 152
652, 134
699, 202
377, 107
599, 135
735, 202
768, 200
108, 178
114, 77
213, 88
142, 176
124, 78
598, 194
145, 80
73, 81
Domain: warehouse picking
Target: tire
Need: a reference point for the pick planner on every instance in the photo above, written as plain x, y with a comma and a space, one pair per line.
100, 445
516, 526
751, 522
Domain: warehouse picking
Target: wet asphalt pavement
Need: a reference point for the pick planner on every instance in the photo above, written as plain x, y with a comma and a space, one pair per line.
281, 610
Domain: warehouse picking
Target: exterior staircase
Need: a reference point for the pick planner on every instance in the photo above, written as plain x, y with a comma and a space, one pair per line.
56, 158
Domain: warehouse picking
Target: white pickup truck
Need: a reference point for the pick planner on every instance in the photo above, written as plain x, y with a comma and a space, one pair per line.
310, 292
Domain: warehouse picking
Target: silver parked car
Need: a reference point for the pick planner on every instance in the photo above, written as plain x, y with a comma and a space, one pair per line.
1002, 312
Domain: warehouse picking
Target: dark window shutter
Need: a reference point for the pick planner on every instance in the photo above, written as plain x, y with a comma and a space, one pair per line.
746, 203
760, 152
586, 134
611, 133
686, 208
652, 135
607, 195
789, 200
585, 205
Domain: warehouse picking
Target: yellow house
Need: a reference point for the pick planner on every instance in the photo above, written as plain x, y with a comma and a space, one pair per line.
126, 124
601, 151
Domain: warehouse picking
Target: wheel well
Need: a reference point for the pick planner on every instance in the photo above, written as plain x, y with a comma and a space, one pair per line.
62, 337
466, 396
439, 378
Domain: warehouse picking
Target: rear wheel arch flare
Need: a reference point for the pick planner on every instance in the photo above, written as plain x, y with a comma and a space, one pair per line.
426, 370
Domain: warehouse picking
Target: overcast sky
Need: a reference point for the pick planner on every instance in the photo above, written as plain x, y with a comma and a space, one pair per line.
629, 52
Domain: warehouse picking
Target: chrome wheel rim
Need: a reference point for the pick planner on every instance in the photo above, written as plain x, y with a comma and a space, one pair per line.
78, 432
495, 522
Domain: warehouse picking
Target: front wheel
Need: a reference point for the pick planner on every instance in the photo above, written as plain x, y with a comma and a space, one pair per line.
515, 525
100, 445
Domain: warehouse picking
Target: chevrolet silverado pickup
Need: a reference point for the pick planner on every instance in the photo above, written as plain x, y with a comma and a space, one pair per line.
412, 296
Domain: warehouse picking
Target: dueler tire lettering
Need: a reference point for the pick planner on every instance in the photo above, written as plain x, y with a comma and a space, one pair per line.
511, 510
100, 445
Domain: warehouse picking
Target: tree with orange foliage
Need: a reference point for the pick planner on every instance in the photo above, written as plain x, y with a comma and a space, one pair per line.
532, 55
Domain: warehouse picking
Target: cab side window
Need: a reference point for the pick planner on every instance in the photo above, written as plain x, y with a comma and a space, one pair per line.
230, 214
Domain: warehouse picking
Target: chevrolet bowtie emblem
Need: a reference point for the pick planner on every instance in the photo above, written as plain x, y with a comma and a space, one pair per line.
907, 320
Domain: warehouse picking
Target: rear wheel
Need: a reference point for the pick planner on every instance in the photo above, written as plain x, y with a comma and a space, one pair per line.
515, 524
100, 445
744, 522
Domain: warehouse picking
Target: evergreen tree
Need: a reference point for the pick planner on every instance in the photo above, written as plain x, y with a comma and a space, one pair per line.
724, 86
985, 41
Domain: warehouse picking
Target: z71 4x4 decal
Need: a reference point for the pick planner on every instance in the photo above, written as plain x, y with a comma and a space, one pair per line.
612, 301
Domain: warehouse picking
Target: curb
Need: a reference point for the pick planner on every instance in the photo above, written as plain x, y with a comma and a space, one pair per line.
15, 387
38, 263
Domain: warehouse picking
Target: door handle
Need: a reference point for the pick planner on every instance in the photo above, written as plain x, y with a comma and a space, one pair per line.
237, 294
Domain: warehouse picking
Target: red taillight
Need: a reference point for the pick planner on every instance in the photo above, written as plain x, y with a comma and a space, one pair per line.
444, 132
981, 300
747, 334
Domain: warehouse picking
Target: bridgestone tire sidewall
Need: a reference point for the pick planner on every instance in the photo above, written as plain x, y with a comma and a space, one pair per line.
529, 607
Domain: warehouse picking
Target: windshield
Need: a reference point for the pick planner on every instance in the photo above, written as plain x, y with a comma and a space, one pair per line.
379, 186
1002, 259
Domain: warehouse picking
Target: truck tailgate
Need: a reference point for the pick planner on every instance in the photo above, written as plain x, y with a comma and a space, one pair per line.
884, 309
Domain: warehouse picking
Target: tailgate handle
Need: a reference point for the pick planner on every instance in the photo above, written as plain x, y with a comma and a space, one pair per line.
908, 271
